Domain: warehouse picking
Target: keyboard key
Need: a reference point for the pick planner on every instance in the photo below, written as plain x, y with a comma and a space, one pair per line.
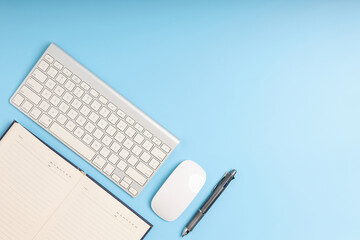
59, 91
78, 92
63, 107
123, 153
35, 85
115, 177
147, 145
58, 65
18, 99
26, 106
122, 165
93, 117
136, 176
85, 110
105, 152
165, 148
39, 75
44, 105
46, 94
98, 133
124, 184
115, 147
108, 169
76, 79
136, 150
69, 85
106, 140
133, 191
112, 107
130, 132
156, 141
35, 112
139, 138
145, 157
147, 134
55, 101
53, 112
79, 132
61, 119
130, 120
139, 127
99, 161
111, 130
89, 127
127, 180
68, 97
87, 139
87, 98
94, 93
132, 160
45, 120
85, 86
121, 125
60, 78
119, 137
67, 72
103, 100
121, 113
128, 143
102, 124
158, 153
104, 112
70, 125
144, 169
76, 104
80, 120
30, 95
95, 105
154, 164
43, 65
52, 72
50, 84
49, 58
96, 145
113, 118
113, 158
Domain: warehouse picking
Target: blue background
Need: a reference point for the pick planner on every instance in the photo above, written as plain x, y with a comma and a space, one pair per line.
270, 88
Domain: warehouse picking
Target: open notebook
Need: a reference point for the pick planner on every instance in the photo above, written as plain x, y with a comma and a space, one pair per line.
43, 196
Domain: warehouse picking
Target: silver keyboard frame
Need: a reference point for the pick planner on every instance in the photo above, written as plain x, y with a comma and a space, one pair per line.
113, 96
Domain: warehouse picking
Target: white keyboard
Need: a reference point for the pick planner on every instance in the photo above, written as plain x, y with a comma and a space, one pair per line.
93, 120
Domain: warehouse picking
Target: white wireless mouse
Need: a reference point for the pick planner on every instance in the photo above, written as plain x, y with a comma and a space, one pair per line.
178, 190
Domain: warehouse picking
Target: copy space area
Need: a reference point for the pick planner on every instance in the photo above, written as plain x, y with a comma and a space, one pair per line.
270, 88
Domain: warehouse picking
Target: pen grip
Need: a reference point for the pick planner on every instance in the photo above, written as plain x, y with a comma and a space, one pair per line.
198, 216
210, 201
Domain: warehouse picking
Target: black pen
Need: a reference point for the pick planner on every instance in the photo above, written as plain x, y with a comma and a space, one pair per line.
218, 189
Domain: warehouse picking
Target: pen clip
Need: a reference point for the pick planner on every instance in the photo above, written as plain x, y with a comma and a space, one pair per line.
220, 181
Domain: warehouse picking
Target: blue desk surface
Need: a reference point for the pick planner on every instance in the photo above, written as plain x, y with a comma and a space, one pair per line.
269, 88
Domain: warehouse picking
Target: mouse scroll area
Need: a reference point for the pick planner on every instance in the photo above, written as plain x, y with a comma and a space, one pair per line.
196, 182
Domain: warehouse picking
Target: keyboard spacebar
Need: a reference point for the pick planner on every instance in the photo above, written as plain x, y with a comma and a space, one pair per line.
72, 141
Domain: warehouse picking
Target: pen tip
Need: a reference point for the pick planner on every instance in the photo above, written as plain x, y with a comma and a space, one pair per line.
185, 232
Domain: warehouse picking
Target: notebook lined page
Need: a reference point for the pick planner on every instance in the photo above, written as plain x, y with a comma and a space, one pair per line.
33, 181
91, 213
